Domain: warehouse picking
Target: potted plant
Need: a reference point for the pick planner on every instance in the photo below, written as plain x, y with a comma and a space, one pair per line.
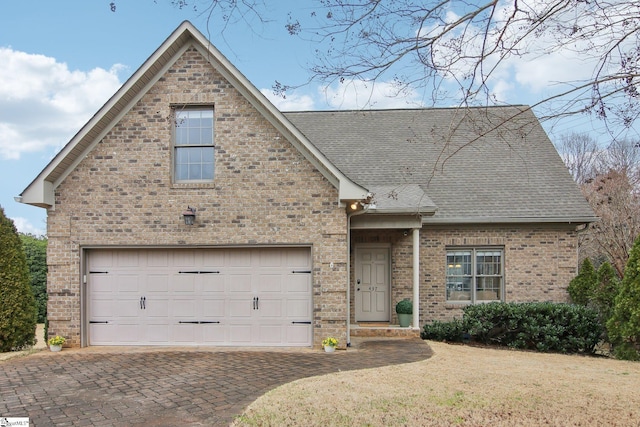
55, 343
404, 309
330, 344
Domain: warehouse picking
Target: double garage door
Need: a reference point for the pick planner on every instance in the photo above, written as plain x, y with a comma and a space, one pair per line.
233, 297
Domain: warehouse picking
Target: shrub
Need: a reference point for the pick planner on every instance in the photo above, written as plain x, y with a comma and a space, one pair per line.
624, 325
444, 331
35, 249
605, 292
546, 327
581, 288
17, 305
404, 307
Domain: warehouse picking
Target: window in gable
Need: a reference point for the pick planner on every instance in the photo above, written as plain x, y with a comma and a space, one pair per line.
194, 145
475, 275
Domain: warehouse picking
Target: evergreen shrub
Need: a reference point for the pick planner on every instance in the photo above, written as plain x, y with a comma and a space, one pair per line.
17, 304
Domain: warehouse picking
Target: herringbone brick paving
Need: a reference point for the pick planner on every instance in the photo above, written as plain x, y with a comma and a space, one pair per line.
125, 387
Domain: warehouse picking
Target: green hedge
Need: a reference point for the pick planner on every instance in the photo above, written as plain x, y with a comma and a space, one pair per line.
545, 327
17, 305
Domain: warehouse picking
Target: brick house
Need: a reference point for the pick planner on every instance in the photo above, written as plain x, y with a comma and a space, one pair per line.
305, 225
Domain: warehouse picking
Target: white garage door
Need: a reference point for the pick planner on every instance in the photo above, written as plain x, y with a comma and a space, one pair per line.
233, 297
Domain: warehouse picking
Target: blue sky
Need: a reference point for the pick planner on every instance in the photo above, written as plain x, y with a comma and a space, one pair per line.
60, 61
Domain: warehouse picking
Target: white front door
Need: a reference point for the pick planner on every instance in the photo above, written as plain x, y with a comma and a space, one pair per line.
372, 286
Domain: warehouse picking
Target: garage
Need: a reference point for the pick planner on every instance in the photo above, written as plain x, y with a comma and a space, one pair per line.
216, 297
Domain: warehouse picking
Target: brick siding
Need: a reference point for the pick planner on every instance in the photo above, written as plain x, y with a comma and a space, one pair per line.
264, 193
539, 263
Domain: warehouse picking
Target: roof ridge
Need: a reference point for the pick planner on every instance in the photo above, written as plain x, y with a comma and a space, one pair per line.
407, 109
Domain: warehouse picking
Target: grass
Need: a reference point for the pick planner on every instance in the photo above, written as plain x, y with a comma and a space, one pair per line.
462, 386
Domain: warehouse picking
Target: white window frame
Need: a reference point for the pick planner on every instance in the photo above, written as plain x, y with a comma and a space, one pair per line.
457, 272
189, 143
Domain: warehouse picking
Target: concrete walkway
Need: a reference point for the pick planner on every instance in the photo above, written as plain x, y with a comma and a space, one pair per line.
107, 386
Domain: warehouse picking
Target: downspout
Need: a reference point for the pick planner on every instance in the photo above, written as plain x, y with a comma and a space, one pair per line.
416, 278
354, 213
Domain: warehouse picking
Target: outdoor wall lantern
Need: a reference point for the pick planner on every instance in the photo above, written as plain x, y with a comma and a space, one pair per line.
189, 215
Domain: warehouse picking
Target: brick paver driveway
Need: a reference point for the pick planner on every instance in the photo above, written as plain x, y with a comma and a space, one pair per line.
158, 387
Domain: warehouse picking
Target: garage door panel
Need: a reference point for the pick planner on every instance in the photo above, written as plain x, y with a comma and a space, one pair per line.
214, 334
270, 282
270, 258
108, 334
184, 308
127, 333
298, 283
102, 284
298, 308
158, 334
297, 258
128, 259
101, 309
184, 283
157, 283
128, 283
143, 296
298, 335
270, 308
213, 283
184, 258
271, 334
239, 259
240, 334
127, 309
157, 308
240, 282
213, 308
184, 334
240, 308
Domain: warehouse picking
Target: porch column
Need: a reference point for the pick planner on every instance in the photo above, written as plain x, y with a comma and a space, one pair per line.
416, 278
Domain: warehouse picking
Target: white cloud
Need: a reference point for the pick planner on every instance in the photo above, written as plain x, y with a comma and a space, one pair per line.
292, 102
544, 63
23, 225
358, 94
43, 103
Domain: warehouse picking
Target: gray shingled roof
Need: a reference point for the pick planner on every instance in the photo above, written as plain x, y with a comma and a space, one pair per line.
475, 165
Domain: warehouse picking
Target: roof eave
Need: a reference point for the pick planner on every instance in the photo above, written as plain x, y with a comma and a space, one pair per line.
510, 220
402, 211
40, 192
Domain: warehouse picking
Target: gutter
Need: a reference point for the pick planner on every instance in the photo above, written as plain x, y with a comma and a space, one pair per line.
427, 220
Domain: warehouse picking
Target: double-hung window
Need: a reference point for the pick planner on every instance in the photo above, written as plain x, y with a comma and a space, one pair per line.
193, 145
475, 275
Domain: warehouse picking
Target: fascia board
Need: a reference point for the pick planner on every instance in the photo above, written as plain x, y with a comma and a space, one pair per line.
41, 190
45, 181
39, 193
120, 115
510, 220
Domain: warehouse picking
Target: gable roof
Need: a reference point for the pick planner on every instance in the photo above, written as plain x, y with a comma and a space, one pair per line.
477, 165
40, 191
450, 165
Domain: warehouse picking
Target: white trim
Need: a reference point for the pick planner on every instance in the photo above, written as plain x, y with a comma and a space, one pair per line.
416, 278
